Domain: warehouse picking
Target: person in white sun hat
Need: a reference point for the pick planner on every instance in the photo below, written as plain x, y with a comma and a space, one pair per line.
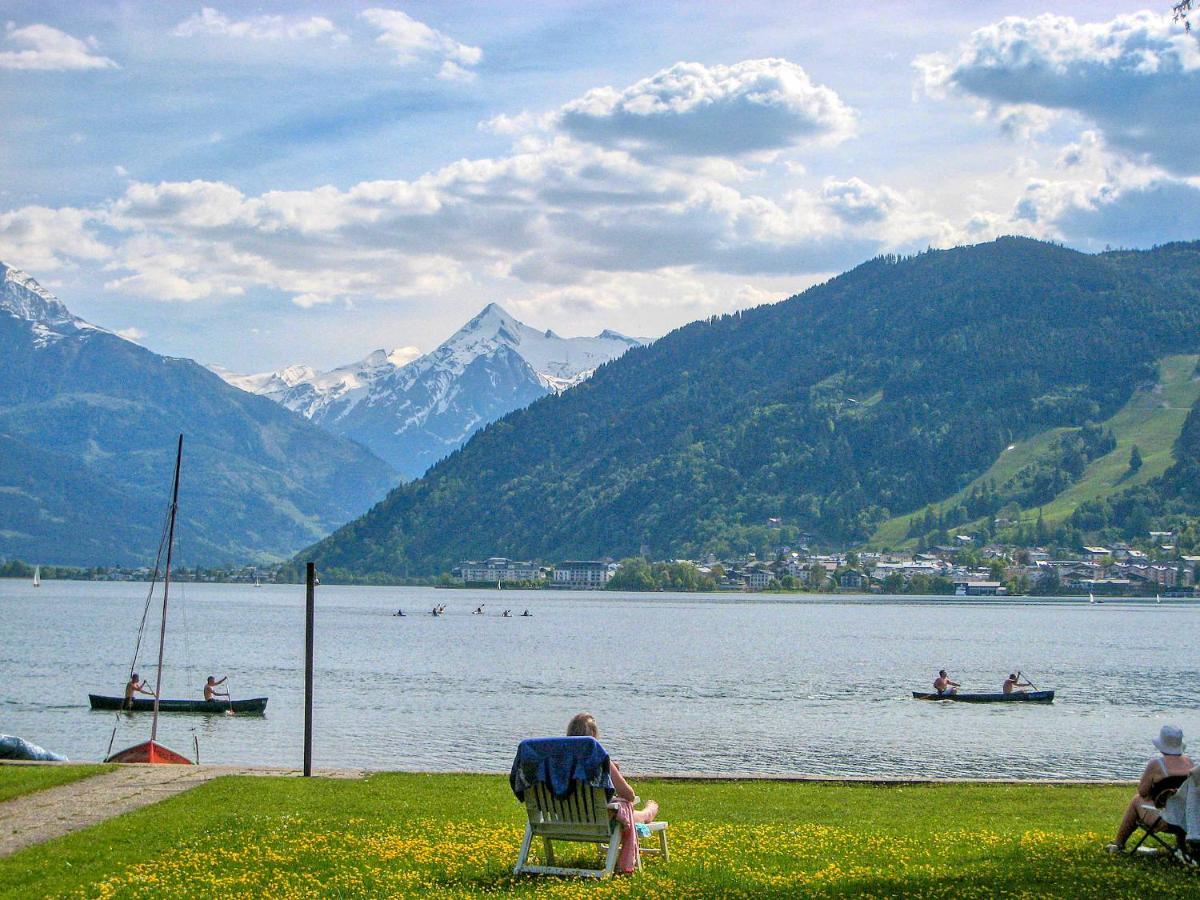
1172, 761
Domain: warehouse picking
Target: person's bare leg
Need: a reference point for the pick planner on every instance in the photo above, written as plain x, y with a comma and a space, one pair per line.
646, 813
1130, 821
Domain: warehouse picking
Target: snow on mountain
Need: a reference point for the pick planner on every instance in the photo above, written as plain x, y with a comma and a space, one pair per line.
48, 317
557, 362
413, 410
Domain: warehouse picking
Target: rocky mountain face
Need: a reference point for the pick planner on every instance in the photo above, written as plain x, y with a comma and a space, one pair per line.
88, 422
413, 410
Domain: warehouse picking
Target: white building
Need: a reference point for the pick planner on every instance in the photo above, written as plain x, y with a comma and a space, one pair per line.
497, 569
757, 580
583, 573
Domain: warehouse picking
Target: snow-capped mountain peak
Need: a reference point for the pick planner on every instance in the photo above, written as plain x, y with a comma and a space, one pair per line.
413, 409
558, 362
48, 317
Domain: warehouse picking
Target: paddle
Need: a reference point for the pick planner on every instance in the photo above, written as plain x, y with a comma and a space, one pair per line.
229, 697
1021, 675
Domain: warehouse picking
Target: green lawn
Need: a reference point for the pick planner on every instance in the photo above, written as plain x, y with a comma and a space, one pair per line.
17, 780
1152, 419
458, 835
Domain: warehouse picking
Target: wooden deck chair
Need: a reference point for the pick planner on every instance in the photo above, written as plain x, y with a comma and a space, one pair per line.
580, 817
1164, 790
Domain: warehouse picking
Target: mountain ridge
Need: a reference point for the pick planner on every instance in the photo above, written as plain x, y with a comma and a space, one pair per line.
892, 385
258, 480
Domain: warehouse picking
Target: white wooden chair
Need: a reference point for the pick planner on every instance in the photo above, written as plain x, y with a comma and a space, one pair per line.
580, 817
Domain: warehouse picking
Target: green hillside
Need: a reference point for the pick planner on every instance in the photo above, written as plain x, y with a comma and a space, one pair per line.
886, 389
1151, 420
88, 424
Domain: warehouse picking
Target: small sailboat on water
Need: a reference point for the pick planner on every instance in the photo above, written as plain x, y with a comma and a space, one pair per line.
152, 751
37, 576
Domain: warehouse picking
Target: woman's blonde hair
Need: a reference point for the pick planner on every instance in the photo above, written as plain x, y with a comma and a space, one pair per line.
583, 725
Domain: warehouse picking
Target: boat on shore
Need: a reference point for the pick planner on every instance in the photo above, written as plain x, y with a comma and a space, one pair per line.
1014, 697
251, 706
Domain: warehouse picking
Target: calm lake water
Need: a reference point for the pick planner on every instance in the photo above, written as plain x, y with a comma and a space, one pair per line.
697, 683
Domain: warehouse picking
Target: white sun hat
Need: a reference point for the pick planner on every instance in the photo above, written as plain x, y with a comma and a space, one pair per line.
1170, 740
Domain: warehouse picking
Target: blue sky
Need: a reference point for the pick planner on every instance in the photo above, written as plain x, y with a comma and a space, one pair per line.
262, 184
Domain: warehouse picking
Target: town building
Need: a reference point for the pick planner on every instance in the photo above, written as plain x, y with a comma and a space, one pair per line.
583, 574
496, 569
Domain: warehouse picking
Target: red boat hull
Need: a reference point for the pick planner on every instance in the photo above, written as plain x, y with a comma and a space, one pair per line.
149, 752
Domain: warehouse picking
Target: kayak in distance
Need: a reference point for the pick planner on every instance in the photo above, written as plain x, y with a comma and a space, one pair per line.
254, 706
1014, 697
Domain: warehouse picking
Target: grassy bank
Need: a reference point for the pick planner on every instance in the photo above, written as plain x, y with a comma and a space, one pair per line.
458, 835
17, 780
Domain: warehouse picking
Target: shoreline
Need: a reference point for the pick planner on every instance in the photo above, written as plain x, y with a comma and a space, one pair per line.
218, 769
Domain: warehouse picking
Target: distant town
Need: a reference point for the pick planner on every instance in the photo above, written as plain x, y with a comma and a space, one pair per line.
962, 568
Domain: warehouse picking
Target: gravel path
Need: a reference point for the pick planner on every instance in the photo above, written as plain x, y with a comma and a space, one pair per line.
39, 816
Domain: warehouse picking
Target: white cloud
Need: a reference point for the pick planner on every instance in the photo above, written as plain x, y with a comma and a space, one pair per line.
414, 42
131, 334
210, 21
39, 239
556, 217
1127, 208
1133, 77
855, 201
50, 50
689, 109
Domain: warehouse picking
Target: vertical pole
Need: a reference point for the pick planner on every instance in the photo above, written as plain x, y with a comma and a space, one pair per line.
162, 628
310, 596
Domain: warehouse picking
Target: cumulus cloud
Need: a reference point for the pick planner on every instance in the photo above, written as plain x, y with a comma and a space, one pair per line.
44, 240
131, 333
1132, 77
855, 201
1124, 210
689, 109
48, 49
553, 216
210, 21
414, 42
582, 221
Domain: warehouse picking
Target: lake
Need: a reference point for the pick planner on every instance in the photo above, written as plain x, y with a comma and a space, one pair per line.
720, 684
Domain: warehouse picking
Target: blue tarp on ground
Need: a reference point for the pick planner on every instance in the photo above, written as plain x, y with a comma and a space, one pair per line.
13, 747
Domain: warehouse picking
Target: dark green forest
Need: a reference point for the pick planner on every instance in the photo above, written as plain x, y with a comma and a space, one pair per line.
886, 388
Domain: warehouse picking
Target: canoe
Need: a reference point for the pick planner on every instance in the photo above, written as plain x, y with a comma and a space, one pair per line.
1014, 697
254, 706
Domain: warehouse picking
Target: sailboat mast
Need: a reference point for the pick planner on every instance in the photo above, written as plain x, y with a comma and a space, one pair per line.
162, 630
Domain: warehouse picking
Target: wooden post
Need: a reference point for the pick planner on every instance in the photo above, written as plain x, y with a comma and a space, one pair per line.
310, 596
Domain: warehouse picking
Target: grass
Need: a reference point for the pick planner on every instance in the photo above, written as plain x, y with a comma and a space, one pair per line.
18, 780
1152, 419
458, 835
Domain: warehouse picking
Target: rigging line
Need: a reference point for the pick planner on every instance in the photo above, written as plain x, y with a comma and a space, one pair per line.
137, 647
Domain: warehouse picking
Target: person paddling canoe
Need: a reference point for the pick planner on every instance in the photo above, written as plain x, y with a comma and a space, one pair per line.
943, 685
1014, 684
135, 686
210, 689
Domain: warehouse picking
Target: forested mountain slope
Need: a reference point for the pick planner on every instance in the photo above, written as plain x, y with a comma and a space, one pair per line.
88, 423
882, 390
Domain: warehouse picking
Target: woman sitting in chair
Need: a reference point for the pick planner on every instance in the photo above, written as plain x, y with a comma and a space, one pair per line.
1171, 763
584, 725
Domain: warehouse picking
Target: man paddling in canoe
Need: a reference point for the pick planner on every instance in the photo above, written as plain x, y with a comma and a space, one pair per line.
1014, 684
210, 689
135, 686
943, 685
